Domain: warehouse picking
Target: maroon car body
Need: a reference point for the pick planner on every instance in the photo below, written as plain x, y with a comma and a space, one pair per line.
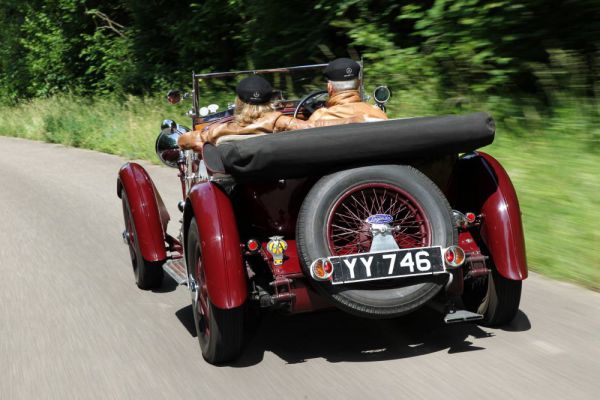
229, 218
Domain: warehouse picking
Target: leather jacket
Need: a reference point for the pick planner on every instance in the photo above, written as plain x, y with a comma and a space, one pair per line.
346, 104
272, 122
344, 107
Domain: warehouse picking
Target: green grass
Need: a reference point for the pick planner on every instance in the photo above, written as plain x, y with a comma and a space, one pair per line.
553, 162
126, 127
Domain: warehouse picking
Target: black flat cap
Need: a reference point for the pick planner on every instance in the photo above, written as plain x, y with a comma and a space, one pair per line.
342, 69
254, 90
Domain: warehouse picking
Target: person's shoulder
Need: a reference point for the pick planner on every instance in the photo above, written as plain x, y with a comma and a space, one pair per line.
373, 111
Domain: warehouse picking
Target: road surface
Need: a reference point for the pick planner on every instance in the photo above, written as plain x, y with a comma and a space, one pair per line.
73, 325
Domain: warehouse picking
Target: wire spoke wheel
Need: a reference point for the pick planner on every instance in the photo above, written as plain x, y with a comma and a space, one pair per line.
333, 221
348, 231
199, 293
220, 331
148, 275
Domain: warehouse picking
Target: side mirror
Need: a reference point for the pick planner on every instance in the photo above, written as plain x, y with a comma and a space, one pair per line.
382, 94
175, 96
166, 146
168, 126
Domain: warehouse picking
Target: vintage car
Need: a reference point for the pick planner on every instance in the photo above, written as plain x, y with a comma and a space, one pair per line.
377, 219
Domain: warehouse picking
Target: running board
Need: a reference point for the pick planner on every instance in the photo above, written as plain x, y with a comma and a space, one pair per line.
461, 316
176, 270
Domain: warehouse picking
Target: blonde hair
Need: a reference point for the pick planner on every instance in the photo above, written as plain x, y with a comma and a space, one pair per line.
246, 113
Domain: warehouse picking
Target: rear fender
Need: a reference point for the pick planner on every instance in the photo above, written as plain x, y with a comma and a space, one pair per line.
147, 208
480, 184
220, 242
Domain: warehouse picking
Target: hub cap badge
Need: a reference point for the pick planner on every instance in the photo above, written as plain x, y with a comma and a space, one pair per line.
380, 219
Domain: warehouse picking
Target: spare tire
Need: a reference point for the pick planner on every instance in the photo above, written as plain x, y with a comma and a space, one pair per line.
332, 221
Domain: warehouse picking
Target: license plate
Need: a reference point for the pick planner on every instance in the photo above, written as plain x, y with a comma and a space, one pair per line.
387, 264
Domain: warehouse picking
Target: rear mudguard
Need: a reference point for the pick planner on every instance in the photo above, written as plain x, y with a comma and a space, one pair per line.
221, 249
480, 184
147, 208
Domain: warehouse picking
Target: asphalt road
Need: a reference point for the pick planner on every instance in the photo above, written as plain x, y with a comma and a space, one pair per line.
73, 325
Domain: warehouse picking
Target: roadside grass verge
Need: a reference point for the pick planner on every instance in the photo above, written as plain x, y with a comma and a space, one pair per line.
554, 163
127, 127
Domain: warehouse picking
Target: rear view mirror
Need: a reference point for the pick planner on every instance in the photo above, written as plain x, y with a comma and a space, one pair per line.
174, 96
382, 94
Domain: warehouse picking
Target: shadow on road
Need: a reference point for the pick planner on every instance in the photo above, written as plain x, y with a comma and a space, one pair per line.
186, 318
168, 285
519, 324
337, 336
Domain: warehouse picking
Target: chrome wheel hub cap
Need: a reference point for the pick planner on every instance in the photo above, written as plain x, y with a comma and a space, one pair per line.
193, 286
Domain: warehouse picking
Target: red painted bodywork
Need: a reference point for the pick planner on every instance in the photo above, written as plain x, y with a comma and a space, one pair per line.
306, 299
467, 243
148, 210
291, 265
221, 247
481, 185
270, 208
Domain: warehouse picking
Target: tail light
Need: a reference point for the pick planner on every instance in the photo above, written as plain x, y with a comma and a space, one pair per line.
253, 246
454, 256
464, 221
470, 217
321, 269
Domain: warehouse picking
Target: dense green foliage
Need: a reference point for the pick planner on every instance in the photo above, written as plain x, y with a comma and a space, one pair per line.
455, 47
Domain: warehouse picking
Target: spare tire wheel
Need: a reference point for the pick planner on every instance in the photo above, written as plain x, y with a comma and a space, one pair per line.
332, 222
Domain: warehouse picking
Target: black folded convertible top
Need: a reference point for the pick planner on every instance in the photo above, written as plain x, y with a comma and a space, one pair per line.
319, 150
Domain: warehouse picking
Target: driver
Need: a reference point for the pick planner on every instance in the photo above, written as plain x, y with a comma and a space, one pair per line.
254, 114
344, 99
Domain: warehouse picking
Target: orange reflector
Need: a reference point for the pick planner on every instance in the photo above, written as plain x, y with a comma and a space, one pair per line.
454, 256
321, 269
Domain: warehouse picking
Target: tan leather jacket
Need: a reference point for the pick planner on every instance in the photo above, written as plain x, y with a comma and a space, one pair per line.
346, 104
272, 122
342, 108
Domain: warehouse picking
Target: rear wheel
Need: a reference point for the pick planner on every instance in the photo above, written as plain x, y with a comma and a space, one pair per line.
495, 297
332, 221
220, 331
148, 275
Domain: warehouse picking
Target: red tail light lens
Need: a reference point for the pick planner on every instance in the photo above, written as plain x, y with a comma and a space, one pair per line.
454, 256
470, 217
450, 256
253, 245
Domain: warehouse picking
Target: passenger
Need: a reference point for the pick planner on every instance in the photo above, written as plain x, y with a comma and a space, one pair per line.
344, 99
254, 114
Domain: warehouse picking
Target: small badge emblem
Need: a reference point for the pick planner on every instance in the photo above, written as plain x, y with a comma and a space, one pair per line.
277, 247
348, 70
380, 219
256, 95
